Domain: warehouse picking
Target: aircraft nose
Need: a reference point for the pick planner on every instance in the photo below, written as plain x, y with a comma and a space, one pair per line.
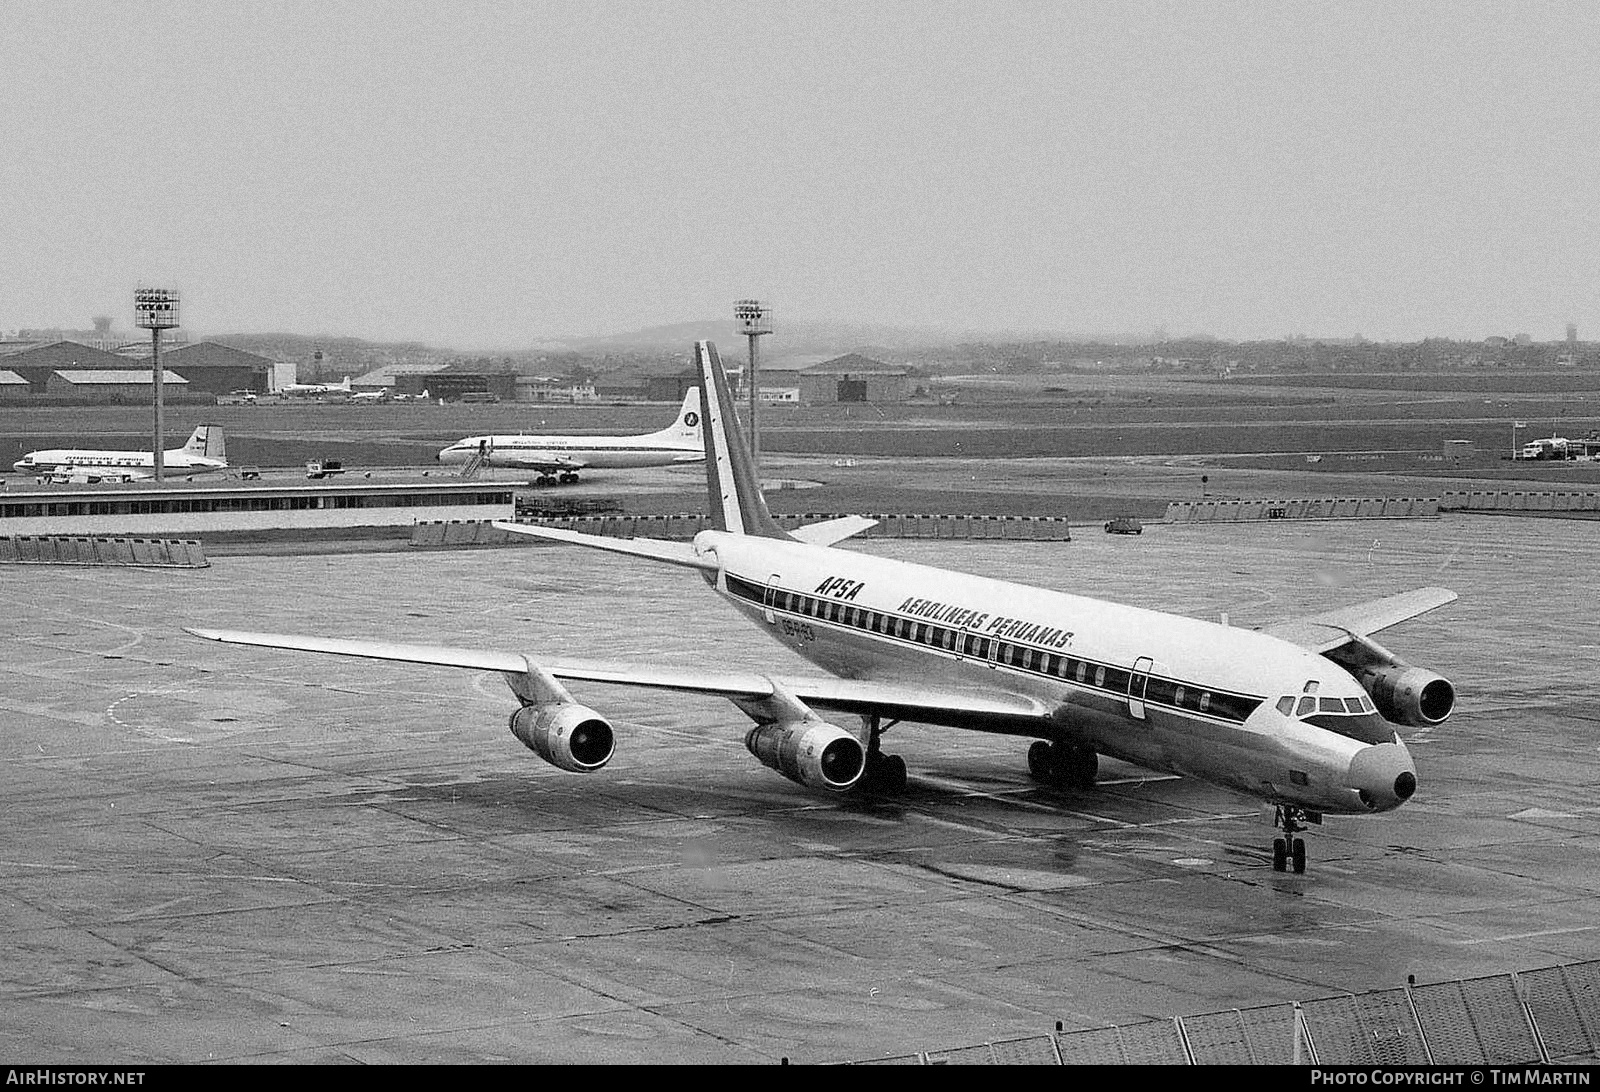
1383, 775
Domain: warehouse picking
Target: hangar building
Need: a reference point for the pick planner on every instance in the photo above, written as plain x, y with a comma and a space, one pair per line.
851, 378
218, 369
14, 388
113, 385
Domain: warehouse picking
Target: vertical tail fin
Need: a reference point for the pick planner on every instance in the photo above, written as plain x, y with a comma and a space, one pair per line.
687, 426
207, 440
737, 505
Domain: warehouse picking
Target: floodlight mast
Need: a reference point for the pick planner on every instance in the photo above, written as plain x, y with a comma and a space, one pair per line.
156, 309
754, 319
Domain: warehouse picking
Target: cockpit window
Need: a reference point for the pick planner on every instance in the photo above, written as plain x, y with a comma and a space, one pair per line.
1333, 705
1368, 727
1311, 686
1286, 706
1307, 705
1354, 705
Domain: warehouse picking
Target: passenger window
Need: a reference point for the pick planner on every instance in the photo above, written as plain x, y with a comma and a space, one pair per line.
1100, 675
1177, 698
1286, 706
1205, 701
1082, 670
1307, 705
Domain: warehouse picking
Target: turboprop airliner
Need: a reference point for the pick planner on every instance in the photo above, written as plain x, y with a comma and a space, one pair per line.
564, 456
206, 451
314, 390
1302, 714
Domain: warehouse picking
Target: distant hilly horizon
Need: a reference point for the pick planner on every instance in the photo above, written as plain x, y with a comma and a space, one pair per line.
792, 340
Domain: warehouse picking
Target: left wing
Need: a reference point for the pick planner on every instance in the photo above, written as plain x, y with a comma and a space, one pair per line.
985, 710
1322, 633
543, 465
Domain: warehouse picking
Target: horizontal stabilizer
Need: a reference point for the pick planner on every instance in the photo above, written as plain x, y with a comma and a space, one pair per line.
830, 531
671, 553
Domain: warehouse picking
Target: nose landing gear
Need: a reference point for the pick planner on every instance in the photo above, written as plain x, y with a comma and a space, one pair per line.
1290, 851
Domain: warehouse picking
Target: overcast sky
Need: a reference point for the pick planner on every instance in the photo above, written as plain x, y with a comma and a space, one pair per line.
491, 174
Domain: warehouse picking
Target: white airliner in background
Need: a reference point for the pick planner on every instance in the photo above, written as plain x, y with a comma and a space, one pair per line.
550, 456
206, 451
310, 390
1302, 714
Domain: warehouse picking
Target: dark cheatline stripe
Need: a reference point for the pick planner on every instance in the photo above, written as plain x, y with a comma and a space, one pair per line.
1058, 666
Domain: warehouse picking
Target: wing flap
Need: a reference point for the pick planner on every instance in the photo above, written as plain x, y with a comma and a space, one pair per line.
1322, 633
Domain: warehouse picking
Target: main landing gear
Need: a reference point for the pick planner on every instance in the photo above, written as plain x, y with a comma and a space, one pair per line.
885, 774
1291, 851
1063, 764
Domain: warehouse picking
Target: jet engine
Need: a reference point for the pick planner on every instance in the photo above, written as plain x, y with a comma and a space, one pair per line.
1407, 695
812, 752
567, 735
1412, 696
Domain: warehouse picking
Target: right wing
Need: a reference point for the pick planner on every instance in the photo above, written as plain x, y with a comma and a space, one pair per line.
830, 531
1322, 633
985, 710
672, 553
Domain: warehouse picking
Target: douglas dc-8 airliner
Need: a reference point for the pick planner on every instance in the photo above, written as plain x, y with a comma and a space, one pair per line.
1301, 714
551, 456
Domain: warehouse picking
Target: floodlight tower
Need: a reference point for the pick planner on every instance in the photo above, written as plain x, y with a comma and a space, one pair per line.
156, 309
754, 319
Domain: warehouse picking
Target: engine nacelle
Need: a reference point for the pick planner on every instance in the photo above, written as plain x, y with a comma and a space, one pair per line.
567, 735
812, 752
1408, 695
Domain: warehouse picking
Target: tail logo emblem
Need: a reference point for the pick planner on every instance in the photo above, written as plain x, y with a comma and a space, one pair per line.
691, 419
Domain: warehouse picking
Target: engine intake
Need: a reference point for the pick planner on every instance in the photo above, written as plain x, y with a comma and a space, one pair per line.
1408, 695
567, 735
812, 752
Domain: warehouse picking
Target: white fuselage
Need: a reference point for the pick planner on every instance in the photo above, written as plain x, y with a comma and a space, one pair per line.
578, 452
176, 461
1163, 691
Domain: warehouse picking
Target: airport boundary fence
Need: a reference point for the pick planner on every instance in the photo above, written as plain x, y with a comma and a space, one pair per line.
684, 526
1304, 508
1549, 1016
1520, 500
150, 553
